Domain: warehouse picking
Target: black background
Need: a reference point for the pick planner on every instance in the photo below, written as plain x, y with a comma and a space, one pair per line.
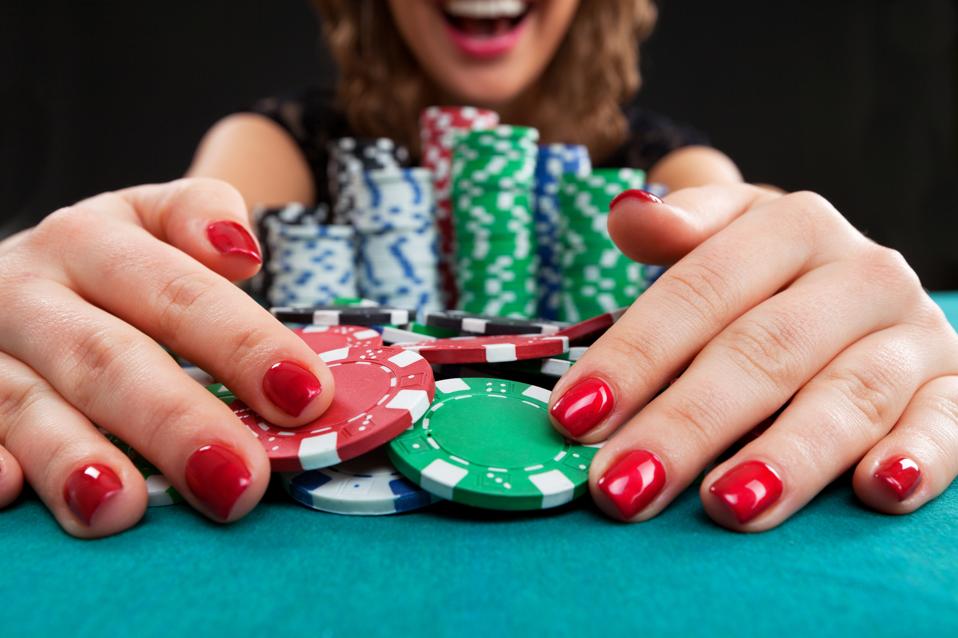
854, 99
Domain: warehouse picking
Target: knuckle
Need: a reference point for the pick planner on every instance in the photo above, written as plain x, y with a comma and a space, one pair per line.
179, 301
99, 359
769, 351
161, 420
698, 288
701, 417
815, 217
888, 268
16, 401
68, 222
869, 390
247, 343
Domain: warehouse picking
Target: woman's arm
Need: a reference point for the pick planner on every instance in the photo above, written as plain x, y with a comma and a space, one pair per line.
258, 158
694, 166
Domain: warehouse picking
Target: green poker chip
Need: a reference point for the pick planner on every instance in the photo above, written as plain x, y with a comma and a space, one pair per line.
159, 491
489, 443
221, 392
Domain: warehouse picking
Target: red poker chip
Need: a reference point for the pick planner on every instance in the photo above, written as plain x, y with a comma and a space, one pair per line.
380, 392
325, 338
593, 326
490, 349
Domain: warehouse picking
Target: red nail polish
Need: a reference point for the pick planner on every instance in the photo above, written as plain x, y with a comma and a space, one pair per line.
89, 487
900, 475
290, 386
633, 482
583, 406
637, 194
217, 476
230, 238
748, 489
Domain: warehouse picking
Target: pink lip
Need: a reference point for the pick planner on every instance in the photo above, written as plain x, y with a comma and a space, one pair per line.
483, 48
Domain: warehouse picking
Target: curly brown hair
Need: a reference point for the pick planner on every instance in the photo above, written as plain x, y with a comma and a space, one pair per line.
382, 88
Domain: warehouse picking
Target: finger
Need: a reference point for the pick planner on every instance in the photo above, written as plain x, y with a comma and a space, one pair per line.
918, 460
696, 299
130, 386
88, 485
829, 425
205, 218
653, 231
744, 375
193, 311
11, 477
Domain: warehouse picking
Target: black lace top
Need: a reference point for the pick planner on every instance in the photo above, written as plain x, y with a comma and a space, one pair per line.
312, 120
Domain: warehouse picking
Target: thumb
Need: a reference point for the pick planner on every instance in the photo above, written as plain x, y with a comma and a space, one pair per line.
654, 231
205, 218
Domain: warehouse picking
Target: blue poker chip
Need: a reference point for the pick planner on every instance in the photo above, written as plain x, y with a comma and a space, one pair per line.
365, 486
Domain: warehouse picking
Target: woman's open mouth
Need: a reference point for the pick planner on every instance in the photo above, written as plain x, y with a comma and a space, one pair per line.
485, 29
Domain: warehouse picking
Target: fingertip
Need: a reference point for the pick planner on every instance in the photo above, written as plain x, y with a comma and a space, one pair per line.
652, 232
891, 484
299, 392
11, 478
226, 482
101, 498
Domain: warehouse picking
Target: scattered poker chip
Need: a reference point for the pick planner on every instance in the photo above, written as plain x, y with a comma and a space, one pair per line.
479, 324
325, 338
199, 375
490, 348
221, 392
354, 302
343, 315
366, 486
593, 326
489, 443
549, 367
379, 393
159, 491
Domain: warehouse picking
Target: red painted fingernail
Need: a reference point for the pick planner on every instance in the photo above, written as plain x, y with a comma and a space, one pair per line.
900, 475
89, 487
633, 482
748, 489
583, 406
636, 194
218, 477
230, 238
290, 386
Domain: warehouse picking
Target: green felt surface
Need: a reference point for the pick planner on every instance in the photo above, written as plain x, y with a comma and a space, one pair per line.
835, 569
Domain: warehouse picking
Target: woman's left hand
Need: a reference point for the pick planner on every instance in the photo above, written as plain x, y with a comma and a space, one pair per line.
774, 301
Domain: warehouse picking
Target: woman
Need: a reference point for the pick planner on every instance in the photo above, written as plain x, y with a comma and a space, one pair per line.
772, 299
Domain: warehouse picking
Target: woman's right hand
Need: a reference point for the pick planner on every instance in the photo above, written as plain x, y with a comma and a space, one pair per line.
86, 295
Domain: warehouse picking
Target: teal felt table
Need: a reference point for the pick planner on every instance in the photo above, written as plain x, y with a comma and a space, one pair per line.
835, 569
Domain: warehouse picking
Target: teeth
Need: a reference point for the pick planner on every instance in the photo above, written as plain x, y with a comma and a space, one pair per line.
486, 8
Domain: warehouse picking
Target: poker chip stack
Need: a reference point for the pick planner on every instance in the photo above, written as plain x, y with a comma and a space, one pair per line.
394, 217
439, 128
493, 174
555, 160
349, 157
305, 260
309, 262
596, 276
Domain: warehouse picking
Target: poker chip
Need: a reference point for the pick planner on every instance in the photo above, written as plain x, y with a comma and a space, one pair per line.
596, 276
554, 161
221, 392
553, 367
379, 393
495, 255
592, 327
366, 486
414, 332
343, 315
479, 324
489, 443
159, 491
490, 348
198, 374
325, 338
440, 126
